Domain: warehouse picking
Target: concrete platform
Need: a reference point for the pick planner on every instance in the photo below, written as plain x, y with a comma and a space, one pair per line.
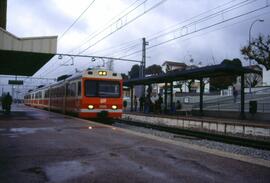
249, 129
39, 146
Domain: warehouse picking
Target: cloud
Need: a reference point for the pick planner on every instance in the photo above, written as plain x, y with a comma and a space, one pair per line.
50, 17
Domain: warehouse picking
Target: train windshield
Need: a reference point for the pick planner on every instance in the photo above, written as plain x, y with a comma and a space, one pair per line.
109, 89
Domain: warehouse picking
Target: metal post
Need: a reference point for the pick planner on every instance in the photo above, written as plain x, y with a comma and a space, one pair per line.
201, 96
165, 98
171, 95
143, 58
143, 63
242, 113
3, 14
249, 42
131, 99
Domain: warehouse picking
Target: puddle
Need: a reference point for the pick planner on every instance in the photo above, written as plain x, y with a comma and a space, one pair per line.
16, 132
26, 131
66, 170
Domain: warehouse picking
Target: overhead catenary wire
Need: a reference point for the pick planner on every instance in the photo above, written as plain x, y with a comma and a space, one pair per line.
77, 19
197, 20
111, 22
130, 6
139, 51
189, 19
179, 23
166, 31
207, 27
127, 23
203, 19
120, 46
176, 38
224, 4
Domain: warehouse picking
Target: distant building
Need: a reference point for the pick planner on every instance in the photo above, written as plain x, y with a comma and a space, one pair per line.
168, 66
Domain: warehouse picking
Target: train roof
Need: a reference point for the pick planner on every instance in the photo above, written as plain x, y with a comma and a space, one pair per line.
89, 73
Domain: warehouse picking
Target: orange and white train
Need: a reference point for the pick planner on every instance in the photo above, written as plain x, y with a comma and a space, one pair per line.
89, 94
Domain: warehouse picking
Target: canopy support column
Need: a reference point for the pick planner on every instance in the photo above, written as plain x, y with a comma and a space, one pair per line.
242, 113
131, 98
201, 96
171, 96
165, 98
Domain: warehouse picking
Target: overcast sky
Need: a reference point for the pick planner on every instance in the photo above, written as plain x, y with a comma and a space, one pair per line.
28, 18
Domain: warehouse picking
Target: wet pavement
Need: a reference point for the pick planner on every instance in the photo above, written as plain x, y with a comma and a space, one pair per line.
39, 146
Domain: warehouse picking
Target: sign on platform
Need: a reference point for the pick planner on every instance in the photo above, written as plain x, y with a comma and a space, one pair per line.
15, 82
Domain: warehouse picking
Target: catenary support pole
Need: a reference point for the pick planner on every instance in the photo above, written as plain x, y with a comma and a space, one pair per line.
165, 98
201, 96
242, 113
171, 96
131, 98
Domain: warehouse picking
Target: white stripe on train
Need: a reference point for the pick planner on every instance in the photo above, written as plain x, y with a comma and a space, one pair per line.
99, 110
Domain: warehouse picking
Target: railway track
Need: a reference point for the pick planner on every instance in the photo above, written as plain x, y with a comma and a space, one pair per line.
258, 144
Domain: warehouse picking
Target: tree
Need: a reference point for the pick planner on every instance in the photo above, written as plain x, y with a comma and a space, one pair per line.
153, 70
258, 50
222, 82
189, 84
253, 79
134, 72
179, 84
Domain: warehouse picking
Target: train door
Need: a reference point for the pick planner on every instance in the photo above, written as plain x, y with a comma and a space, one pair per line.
78, 96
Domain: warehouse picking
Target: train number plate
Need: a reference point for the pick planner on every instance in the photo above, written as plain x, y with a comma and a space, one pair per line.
103, 100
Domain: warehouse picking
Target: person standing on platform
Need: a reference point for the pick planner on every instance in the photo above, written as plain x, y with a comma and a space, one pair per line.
235, 93
7, 103
160, 101
141, 100
2, 101
135, 103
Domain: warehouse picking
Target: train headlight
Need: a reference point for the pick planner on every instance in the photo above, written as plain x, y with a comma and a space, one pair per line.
102, 73
90, 107
114, 107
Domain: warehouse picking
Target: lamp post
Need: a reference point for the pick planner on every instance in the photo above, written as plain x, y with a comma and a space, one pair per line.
249, 42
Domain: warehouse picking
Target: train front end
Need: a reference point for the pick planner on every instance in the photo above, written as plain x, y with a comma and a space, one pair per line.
102, 95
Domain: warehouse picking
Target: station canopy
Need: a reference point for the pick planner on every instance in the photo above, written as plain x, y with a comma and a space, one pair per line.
24, 56
22, 63
196, 73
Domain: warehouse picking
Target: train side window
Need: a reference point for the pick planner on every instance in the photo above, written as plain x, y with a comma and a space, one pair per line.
67, 89
73, 89
79, 90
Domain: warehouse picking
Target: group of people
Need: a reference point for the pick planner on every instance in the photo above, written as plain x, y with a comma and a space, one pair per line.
6, 101
146, 104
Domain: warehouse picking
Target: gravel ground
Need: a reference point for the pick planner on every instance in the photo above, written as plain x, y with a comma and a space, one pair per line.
252, 152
